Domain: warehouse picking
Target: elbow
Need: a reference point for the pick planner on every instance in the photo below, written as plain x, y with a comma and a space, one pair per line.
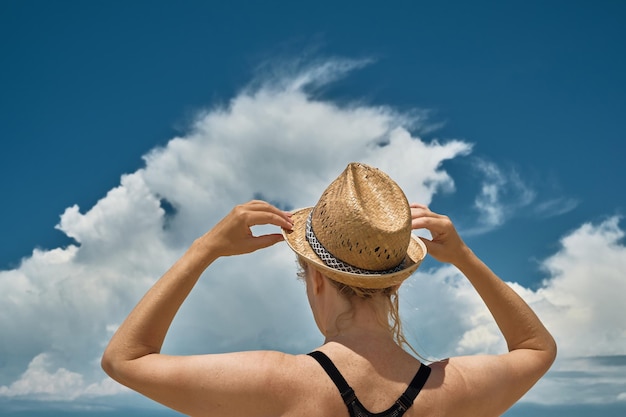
552, 351
108, 364
111, 364
543, 351
548, 353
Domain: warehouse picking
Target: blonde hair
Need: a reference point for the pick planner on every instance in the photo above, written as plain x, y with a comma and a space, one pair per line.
392, 320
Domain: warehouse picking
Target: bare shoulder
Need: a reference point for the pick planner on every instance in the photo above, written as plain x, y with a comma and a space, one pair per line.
485, 385
229, 384
270, 373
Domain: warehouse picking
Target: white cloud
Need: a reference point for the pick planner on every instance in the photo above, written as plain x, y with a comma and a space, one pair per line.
504, 194
591, 380
60, 307
555, 207
501, 195
585, 296
61, 385
582, 302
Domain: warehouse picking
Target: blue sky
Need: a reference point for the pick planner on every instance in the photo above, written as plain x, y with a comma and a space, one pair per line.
128, 128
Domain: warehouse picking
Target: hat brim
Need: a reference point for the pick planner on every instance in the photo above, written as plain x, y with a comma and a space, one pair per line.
296, 239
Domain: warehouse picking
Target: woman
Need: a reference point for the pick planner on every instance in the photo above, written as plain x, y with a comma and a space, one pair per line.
355, 248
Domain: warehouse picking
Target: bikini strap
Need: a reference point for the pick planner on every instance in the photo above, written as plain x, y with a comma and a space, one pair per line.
417, 383
405, 401
347, 393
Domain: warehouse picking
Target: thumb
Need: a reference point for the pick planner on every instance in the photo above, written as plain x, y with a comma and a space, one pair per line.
431, 247
427, 242
268, 240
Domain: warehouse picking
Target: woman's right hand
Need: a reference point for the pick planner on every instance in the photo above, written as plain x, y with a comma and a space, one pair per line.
446, 245
233, 236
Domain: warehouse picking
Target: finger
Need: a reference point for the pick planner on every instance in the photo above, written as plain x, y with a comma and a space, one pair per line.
265, 241
430, 222
419, 212
258, 218
418, 205
260, 205
435, 218
432, 248
426, 241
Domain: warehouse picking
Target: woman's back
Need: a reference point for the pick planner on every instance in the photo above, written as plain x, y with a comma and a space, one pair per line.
377, 383
459, 387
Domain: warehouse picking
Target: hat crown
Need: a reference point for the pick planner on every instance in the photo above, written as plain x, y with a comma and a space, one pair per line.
364, 219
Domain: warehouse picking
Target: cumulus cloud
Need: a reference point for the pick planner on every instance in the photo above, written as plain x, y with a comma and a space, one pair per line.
277, 142
273, 141
581, 302
39, 382
585, 293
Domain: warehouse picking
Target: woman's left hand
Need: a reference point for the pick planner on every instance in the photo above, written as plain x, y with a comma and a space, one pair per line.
233, 236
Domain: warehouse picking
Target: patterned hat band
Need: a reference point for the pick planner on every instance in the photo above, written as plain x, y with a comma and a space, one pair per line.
335, 263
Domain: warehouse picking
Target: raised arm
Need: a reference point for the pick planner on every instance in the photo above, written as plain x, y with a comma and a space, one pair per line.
493, 383
132, 356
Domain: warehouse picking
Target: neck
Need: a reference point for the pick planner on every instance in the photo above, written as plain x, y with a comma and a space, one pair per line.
348, 320
356, 320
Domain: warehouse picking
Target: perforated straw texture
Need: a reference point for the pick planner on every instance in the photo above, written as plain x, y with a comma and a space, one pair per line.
360, 229
335, 263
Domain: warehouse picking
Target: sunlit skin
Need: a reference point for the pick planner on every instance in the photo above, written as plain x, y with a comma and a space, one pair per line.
267, 383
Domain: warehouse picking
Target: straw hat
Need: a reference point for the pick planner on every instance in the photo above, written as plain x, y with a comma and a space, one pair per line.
359, 233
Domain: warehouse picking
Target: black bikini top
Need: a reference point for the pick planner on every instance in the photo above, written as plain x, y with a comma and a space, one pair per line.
355, 407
